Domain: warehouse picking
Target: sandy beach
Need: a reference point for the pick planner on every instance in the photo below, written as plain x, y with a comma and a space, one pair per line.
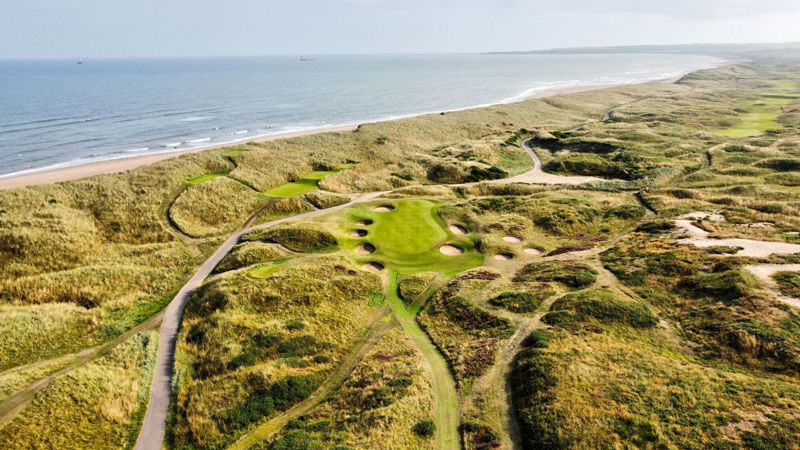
120, 165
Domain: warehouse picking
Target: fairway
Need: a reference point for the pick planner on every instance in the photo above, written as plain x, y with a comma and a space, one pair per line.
762, 115
207, 177
307, 183
408, 239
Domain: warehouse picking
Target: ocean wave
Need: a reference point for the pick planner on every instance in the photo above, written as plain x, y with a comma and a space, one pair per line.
137, 150
195, 141
196, 119
176, 144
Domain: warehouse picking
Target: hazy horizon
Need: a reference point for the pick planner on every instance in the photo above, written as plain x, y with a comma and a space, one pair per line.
46, 29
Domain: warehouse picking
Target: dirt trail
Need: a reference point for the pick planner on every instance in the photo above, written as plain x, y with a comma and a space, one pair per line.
375, 332
537, 176
765, 272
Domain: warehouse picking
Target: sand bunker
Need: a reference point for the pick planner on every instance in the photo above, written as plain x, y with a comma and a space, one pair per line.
533, 251
358, 233
372, 267
364, 223
756, 249
703, 215
365, 249
513, 239
458, 229
384, 208
503, 256
451, 250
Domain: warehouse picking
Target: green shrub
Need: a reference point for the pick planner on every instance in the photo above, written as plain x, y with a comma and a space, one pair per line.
571, 274
425, 428
605, 307
656, 227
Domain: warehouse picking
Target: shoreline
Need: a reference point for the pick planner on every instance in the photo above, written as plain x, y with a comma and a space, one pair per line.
116, 165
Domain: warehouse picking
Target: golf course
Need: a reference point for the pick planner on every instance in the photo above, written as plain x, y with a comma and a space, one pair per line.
525, 275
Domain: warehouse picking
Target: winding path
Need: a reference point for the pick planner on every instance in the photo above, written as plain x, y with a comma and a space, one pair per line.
537, 176
151, 436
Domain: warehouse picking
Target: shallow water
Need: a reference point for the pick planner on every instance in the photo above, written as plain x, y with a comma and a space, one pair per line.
56, 112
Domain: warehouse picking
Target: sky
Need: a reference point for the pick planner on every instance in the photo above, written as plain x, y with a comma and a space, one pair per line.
164, 28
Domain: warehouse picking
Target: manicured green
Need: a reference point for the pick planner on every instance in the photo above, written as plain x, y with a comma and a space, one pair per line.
761, 115
207, 177
408, 239
308, 182
262, 271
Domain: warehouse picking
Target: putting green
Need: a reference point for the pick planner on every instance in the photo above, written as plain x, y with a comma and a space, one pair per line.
408, 239
307, 183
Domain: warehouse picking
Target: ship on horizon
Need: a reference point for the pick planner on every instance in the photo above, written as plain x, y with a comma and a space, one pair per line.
80, 61
303, 58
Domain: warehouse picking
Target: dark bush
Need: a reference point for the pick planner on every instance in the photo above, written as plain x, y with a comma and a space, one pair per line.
425, 428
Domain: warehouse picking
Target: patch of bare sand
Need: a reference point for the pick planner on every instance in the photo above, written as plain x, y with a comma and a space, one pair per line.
458, 229
513, 239
364, 223
504, 256
365, 249
752, 248
372, 267
358, 233
451, 250
384, 208
765, 272
533, 251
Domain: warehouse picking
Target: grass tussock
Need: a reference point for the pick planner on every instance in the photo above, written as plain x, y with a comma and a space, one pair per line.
247, 254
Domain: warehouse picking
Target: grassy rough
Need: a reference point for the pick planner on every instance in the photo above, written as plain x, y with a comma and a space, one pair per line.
378, 406
788, 283
100, 405
247, 254
571, 274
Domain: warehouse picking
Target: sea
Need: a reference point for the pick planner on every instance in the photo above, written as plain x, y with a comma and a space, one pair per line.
57, 113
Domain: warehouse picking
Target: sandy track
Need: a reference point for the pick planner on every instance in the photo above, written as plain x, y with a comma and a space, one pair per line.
765, 272
749, 247
151, 436
537, 176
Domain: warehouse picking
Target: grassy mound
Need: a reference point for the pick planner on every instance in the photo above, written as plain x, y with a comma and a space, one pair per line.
587, 165
570, 274
780, 164
301, 238
325, 200
411, 287
247, 254
788, 283
205, 209
521, 302
729, 286
606, 308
